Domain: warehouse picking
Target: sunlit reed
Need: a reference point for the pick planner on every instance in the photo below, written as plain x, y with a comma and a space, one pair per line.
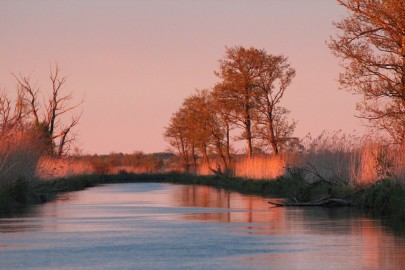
261, 167
50, 167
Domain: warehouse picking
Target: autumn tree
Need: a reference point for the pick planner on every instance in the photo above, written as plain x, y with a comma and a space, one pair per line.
46, 117
371, 43
195, 130
176, 135
273, 126
253, 85
199, 122
222, 108
207, 127
238, 70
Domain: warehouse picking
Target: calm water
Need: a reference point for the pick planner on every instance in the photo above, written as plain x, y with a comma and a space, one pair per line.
163, 226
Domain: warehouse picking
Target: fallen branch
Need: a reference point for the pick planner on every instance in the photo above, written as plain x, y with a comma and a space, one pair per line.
327, 201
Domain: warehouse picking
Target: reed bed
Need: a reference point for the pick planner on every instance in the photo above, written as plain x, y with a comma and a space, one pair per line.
378, 161
261, 167
331, 157
132, 169
205, 169
51, 167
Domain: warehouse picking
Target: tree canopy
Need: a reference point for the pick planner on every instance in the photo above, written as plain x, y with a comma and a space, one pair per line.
246, 100
371, 44
253, 83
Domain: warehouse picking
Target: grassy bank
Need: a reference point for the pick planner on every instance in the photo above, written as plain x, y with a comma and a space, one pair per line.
385, 197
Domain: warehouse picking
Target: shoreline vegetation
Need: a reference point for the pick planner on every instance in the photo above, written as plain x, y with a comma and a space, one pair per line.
246, 104
385, 198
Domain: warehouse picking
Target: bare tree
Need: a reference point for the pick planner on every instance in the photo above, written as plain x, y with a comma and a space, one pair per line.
371, 44
12, 113
46, 118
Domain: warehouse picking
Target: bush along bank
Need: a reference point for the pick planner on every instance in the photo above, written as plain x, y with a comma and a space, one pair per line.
18, 194
385, 197
22, 192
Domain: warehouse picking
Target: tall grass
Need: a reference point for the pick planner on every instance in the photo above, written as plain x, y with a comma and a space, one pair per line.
261, 167
258, 167
331, 157
50, 167
205, 169
19, 155
132, 169
398, 161
215, 165
20, 150
340, 158
378, 161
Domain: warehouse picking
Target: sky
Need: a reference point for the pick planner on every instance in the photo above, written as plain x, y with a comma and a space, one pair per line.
134, 62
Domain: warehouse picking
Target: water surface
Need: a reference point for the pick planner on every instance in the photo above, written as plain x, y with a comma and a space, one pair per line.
164, 226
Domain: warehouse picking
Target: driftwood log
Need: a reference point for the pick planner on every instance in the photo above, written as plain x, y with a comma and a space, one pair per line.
327, 201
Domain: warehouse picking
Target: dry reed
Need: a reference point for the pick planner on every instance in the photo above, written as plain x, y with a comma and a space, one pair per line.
131, 169
379, 161
50, 167
261, 167
332, 157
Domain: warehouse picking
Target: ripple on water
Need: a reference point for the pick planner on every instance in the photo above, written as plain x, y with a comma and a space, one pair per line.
163, 226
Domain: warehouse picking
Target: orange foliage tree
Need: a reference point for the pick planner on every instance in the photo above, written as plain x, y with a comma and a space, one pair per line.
371, 43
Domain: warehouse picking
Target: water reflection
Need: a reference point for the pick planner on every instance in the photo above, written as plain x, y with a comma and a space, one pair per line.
150, 226
235, 207
351, 229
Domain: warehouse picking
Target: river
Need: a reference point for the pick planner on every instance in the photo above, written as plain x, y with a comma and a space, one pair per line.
165, 226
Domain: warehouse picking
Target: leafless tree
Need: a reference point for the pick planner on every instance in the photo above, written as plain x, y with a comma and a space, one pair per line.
12, 113
46, 117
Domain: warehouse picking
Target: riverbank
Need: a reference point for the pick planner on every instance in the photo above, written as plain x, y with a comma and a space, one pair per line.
384, 197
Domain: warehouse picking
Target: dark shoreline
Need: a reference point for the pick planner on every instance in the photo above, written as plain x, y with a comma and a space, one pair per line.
385, 198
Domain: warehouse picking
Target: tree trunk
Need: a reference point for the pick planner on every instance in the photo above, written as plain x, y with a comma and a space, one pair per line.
228, 145
403, 91
183, 151
249, 142
273, 141
194, 156
270, 122
205, 154
248, 124
248, 130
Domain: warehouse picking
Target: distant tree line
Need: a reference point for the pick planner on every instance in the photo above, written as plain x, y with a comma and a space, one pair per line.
155, 162
246, 101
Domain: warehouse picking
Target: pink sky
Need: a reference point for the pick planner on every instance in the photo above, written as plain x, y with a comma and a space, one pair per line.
135, 61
